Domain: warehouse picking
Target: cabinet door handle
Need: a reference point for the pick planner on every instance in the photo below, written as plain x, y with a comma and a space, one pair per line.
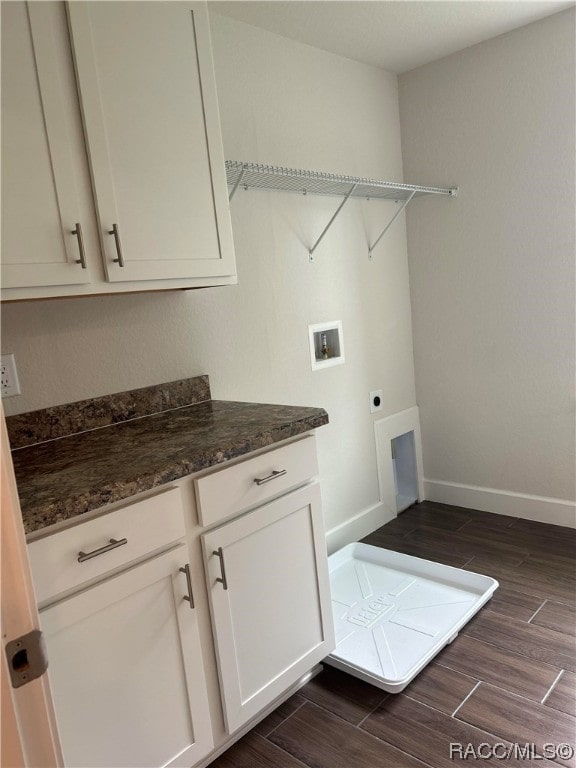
114, 543
272, 476
114, 231
78, 233
220, 555
189, 596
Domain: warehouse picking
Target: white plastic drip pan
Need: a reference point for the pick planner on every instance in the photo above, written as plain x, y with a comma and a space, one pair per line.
393, 612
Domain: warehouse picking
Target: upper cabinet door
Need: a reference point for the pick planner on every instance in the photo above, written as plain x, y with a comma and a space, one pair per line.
148, 98
40, 209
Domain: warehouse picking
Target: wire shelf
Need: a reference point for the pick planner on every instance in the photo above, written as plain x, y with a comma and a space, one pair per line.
257, 176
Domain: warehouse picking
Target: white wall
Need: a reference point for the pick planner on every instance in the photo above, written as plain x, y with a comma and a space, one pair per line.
492, 272
287, 104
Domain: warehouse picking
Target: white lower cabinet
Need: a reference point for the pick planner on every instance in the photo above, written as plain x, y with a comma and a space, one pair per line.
269, 595
126, 670
144, 677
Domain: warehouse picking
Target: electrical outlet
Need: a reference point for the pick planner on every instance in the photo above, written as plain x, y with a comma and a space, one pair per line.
9, 384
376, 401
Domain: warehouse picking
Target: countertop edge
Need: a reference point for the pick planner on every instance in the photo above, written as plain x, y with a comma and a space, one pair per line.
44, 516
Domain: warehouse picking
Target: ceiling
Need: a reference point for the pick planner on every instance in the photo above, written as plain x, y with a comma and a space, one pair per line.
396, 35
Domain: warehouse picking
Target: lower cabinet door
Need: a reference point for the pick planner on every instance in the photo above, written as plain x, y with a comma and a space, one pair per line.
268, 583
126, 672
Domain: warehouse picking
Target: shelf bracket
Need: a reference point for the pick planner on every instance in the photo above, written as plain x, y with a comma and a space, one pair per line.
387, 227
327, 227
237, 183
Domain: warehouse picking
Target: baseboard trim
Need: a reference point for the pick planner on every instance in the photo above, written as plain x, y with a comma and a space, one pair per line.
357, 527
539, 508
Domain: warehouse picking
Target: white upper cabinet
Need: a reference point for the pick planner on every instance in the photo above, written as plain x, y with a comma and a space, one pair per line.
148, 98
157, 215
40, 208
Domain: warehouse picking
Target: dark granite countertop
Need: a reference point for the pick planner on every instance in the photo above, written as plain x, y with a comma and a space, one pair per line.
62, 478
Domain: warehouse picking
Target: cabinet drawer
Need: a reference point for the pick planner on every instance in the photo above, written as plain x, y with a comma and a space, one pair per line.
230, 491
147, 526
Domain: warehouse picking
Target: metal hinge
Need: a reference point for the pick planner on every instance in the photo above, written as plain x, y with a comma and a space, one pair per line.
27, 658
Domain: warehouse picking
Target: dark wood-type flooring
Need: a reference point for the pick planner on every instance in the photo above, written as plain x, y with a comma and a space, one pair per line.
507, 678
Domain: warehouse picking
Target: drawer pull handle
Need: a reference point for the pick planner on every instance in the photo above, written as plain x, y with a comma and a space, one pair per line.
120, 259
276, 473
78, 233
189, 596
220, 555
83, 556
